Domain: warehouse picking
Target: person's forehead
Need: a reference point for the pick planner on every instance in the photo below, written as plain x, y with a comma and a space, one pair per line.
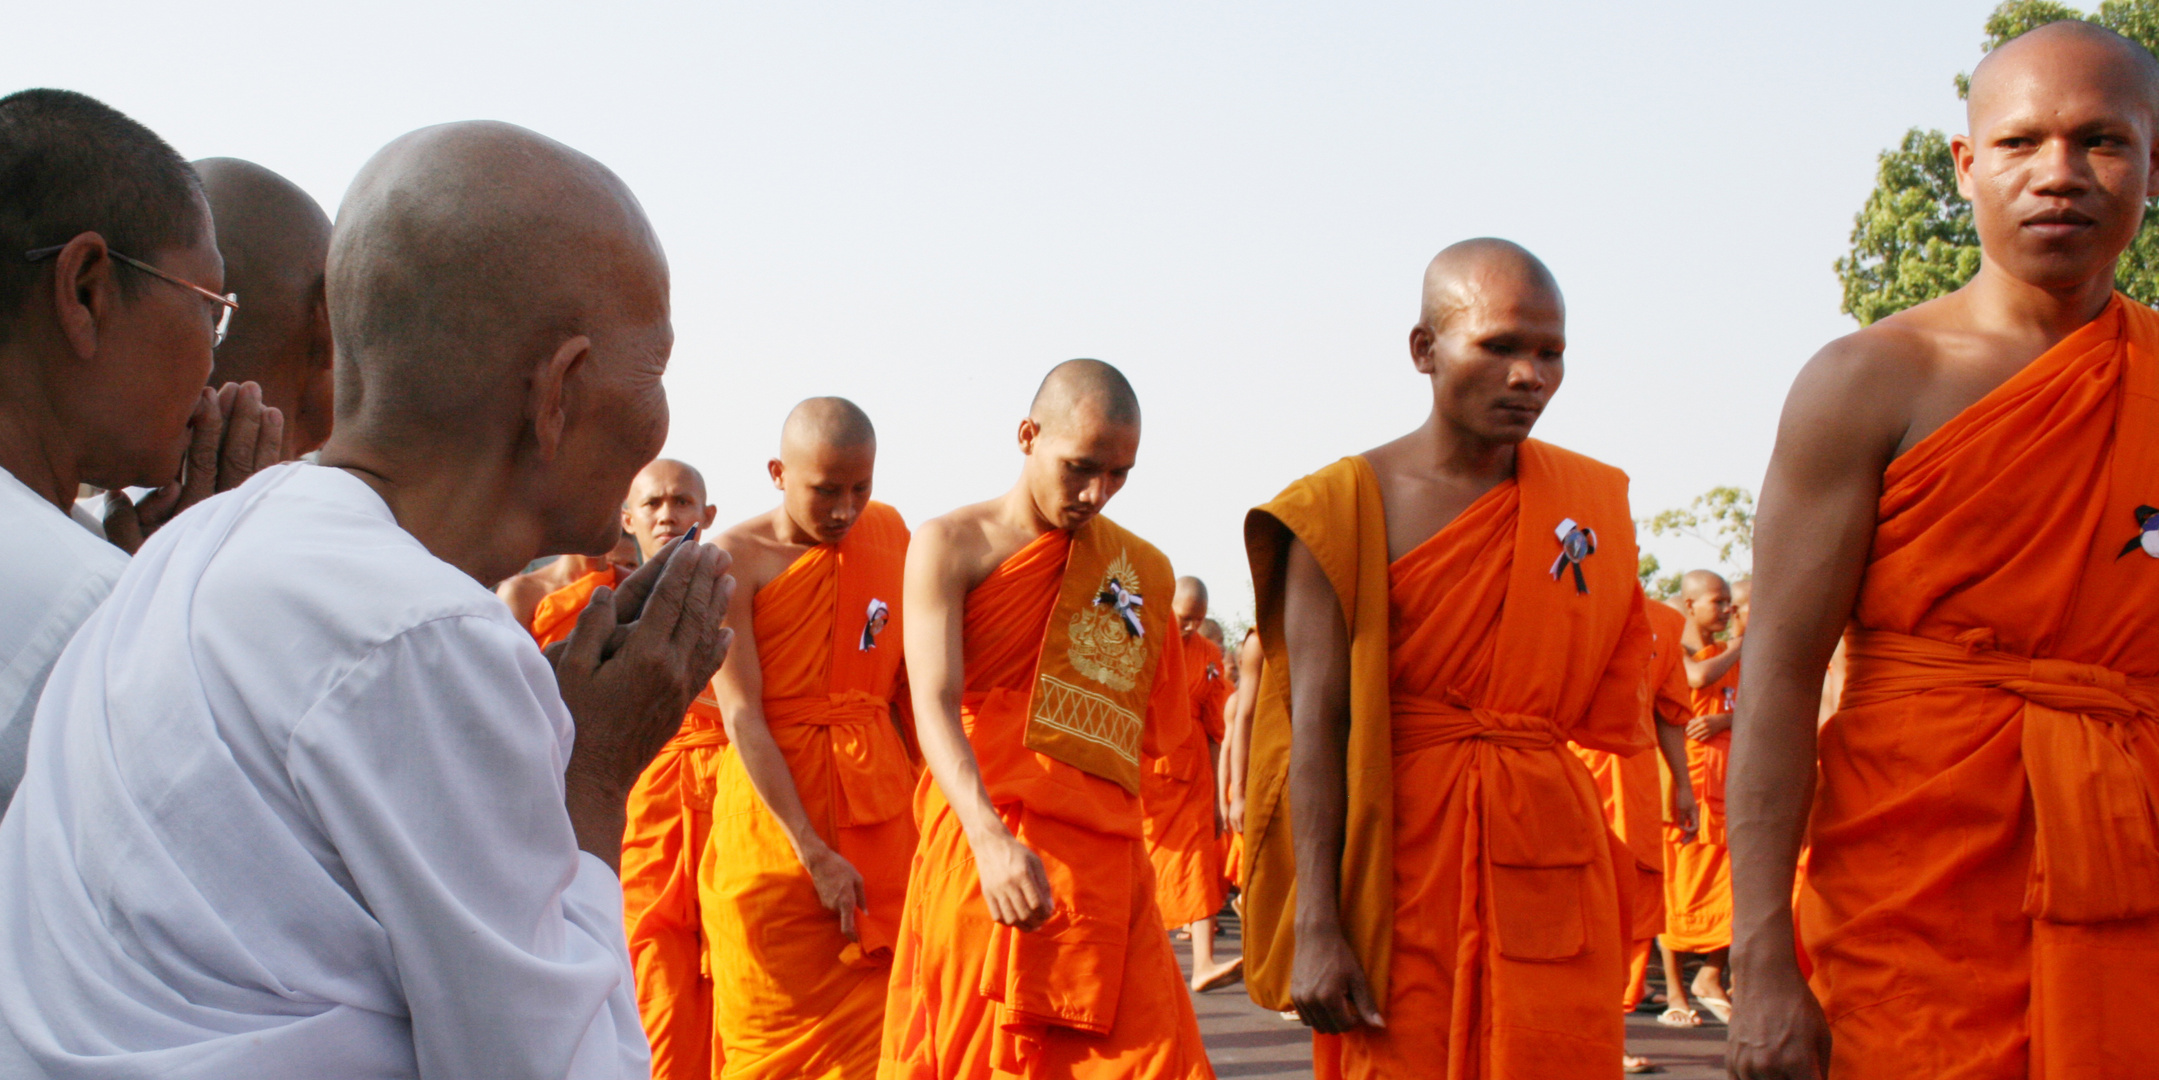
2073, 81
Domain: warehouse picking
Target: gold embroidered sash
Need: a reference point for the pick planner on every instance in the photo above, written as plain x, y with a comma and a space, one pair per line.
1096, 672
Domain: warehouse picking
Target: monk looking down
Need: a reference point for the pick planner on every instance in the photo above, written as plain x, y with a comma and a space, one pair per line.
1183, 825
547, 601
1441, 615
1043, 662
803, 879
1968, 486
1698, 869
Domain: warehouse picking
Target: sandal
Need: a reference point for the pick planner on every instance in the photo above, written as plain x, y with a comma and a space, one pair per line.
1718, 1007
1680, 1018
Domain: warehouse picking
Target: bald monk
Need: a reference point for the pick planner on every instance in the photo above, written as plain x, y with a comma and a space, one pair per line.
1698, 870
574, 577
803, 879
340, 818
274, 239
1183, 825
1742, 598
1455, 905
1967, 486
1043, 661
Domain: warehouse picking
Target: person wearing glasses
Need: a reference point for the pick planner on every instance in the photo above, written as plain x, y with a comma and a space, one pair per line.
111, 301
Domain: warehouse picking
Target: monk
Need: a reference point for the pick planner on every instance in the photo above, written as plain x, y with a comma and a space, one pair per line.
339, 817
1698, 869
1043, 662
1236, 755
1183, 824
565, 584
1964, 491
803, 880
1455, 908
274, 239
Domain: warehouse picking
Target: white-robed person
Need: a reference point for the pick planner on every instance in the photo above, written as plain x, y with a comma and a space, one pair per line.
303, 800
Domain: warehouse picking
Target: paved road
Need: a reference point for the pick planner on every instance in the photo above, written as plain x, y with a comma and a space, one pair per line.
1250, 1043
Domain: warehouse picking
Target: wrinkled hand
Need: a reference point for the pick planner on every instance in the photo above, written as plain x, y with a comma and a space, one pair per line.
1705, 728
1778, 1030
1014, 885
231, 436
839, 886
1328, 986
638, 656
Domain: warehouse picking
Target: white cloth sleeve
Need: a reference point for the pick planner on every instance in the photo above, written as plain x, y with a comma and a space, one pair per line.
435, 768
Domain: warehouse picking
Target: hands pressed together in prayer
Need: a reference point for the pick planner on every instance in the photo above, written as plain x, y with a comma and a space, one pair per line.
232, 435
639, 655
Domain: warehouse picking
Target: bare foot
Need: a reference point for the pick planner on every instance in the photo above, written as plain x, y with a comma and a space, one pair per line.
1208, 978
1631, 1065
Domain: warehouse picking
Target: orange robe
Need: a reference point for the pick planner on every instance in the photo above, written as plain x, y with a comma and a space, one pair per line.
1982, 892
1477, 886
1095, 992
1177, 792
792, 996
1698, 875
668, 816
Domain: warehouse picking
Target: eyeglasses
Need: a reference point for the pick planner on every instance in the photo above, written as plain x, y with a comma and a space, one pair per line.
227, 304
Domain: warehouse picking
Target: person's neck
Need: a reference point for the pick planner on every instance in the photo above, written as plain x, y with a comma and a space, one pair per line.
1451, 453
2023, 307
1017, 509
790, 532
34, 443
461, 508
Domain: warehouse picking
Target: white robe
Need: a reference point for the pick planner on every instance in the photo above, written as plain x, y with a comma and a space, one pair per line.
56, 574
294, 808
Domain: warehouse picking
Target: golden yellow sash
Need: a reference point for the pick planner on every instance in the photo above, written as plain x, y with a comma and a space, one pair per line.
1088, 708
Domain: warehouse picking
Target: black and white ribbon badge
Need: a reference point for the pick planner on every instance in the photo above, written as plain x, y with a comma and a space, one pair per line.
873, 624
2147, 536
1576, 543
1126, 603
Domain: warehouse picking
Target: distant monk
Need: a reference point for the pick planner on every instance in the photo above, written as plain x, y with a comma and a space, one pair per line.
1742, 597
274, 239
1456, 908
1969, 485
335, 816
110, 304
565, 584
1178, 795
670, 814
1698, 869
803, 881
1236, 757
1043, 662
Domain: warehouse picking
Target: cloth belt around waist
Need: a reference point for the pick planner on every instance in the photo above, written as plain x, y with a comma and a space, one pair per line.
869, 763
698, 732
842, 709
2096, 851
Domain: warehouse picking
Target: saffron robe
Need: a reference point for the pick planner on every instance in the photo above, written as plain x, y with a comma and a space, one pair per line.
1094, 992
794, 997
1982, 892
668, 815
1177, 793
1477, 884
1698, 875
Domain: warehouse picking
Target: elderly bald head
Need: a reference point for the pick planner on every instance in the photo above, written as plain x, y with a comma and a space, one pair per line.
275, 240
1463, 275
2073, 47
1084, 388
826, 422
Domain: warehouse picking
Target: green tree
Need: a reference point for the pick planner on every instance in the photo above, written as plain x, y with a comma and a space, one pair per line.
1722, 517
1913, 239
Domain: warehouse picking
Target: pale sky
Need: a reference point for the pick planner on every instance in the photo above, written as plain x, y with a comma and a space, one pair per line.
922, 206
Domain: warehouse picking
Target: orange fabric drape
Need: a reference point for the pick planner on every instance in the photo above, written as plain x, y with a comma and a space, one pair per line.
1698, 875
793, 997
666, 821
1631, 788
1177, 792
1095, 992
1980, 882
1503, 948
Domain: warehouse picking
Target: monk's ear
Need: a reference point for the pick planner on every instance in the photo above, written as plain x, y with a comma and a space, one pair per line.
705, 523
1962, 151
778, 472
1029, 432
1421, 341
551, 393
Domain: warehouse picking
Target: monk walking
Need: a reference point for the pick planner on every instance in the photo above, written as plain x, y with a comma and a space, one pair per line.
1441, 615
1698, 869
1183, 826
1044, 662
1968, 486
803, 880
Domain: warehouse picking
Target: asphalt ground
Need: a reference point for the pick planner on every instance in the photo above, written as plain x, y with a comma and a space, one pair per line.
1247, 1042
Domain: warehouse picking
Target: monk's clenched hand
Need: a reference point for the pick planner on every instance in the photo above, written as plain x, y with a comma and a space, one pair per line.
1685, 813
839, 886
1328, 986
1015, 887
232, 435
1778, 1031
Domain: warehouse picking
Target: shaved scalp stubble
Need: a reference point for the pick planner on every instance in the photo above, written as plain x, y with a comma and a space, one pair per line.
1700, 583
1084, 384
1453, 277
832, 422
662, 465
1191, 586
275, 240
2104, 51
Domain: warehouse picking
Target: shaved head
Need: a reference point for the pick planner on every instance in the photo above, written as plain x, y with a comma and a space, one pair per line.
667, 474
666, 500
275, 240
1193, 589
1460, 276
1084, 388
1189, 604
1700, 583
827, 422
2067, 47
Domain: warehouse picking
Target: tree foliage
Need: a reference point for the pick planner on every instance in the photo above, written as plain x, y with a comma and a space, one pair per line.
1913, 240
1722, 517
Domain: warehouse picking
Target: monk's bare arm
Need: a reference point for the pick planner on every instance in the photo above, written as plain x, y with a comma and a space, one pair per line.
1841, 426
1701, 673
1243, 709
1327, 983
1672, 744
1015, 887
740, 688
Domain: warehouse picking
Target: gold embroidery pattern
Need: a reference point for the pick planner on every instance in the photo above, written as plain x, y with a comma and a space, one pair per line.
1085, 714
1102, 649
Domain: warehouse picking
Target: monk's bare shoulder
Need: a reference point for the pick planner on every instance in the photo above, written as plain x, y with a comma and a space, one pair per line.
523, 594
758, 553
1861, 398
964, 545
